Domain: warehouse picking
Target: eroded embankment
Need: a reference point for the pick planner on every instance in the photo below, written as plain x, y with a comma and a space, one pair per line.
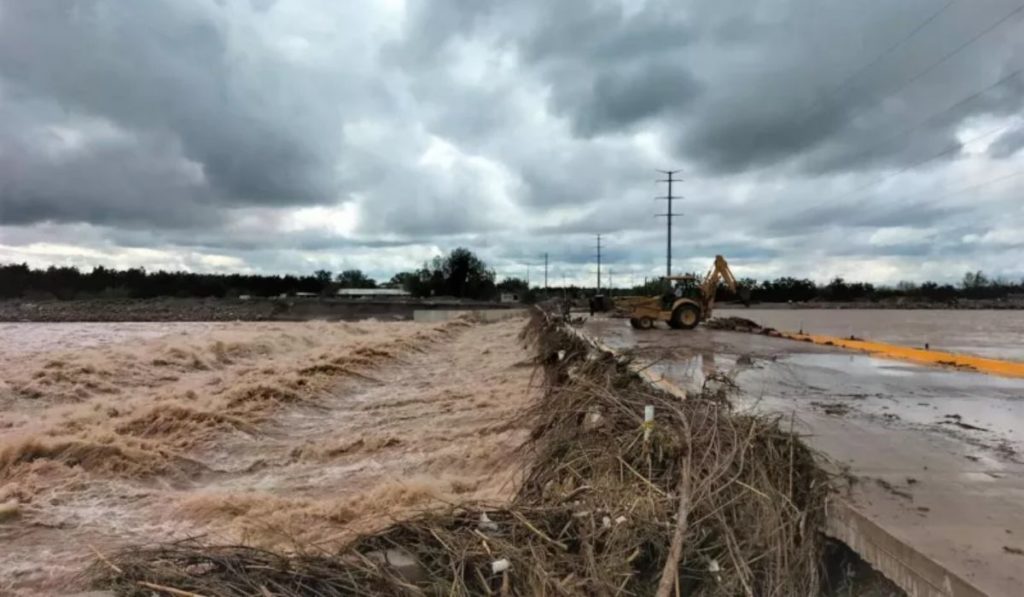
271, 434
700, 500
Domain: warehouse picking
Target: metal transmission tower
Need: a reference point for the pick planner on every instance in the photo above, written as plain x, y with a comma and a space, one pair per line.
545, 271
599, 264
669, 215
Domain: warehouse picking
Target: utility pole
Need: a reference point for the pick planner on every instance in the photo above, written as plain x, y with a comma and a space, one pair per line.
668, 216
598, 264
545, 271
527, 275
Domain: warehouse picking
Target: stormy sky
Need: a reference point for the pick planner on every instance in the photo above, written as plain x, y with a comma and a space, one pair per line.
875, 140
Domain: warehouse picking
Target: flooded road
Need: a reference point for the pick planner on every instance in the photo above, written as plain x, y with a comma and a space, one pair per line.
934, 456
273, 434
994, 334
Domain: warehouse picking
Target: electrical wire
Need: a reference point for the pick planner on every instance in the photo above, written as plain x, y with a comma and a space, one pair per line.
878, 59
960, 103
928, 69
949, 149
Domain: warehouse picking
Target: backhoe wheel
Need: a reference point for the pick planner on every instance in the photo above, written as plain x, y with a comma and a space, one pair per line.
646, 323
634, 323
685, 317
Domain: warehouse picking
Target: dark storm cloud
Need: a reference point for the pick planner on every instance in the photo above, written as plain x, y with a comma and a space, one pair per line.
163, 69
625, 96
519, 128
745, 86
861, 215
610, 69
1008, 144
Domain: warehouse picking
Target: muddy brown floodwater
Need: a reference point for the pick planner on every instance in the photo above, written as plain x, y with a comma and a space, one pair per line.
993, 334
275, 434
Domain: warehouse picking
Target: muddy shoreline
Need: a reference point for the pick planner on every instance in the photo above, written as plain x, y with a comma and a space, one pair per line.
190, 309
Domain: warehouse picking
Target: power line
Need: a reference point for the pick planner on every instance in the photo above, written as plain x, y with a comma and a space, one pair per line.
932, 199
977, 186
876, 60
928, 69
891, 49
819, 102
958, 104
931, 67
949, 149
906, 131
669, 199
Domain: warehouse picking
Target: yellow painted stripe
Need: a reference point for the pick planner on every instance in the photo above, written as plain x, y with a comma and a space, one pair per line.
918, 355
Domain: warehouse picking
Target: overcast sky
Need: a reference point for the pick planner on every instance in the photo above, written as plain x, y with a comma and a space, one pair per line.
871, 139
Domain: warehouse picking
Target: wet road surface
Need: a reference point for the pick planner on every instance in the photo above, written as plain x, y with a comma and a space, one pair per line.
994, 334
936, 454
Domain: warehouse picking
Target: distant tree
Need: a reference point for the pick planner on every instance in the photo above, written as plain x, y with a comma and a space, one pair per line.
976, 279
652, 287
781, 290
460, 274
518, 287
353, 278
402, 280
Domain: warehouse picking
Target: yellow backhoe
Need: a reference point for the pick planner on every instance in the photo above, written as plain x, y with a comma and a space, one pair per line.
688, 302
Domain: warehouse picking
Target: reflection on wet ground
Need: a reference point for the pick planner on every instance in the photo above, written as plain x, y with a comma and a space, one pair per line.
779, 374
981, 409
993, 334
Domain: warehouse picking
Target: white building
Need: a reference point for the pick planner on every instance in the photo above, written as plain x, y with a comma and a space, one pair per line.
371, 292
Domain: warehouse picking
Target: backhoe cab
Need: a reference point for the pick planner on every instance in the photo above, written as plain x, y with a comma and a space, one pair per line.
686, 302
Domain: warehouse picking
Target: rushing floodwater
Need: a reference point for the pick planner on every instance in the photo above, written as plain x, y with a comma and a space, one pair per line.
31, 338
271, 433
995, 334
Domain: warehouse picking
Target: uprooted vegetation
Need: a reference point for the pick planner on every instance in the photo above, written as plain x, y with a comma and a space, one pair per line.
701, 501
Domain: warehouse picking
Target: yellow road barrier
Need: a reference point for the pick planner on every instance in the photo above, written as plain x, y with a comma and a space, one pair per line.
918, 355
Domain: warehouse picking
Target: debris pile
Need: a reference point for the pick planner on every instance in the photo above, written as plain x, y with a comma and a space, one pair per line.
740, 324
631, 491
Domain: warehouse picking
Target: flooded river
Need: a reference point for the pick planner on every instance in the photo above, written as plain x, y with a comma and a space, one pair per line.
273, 434
993, 334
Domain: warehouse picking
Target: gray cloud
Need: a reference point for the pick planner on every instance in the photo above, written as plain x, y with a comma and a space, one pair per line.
517, 128
1007, 144
166, 69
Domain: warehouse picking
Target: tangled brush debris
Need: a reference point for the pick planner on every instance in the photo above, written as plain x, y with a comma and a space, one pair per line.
740, 324
699, 500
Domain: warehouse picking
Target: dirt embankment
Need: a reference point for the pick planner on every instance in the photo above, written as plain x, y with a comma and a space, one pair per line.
263, 433
257, 309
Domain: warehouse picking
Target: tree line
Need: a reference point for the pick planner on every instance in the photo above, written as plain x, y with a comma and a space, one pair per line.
974, 286
460, 274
